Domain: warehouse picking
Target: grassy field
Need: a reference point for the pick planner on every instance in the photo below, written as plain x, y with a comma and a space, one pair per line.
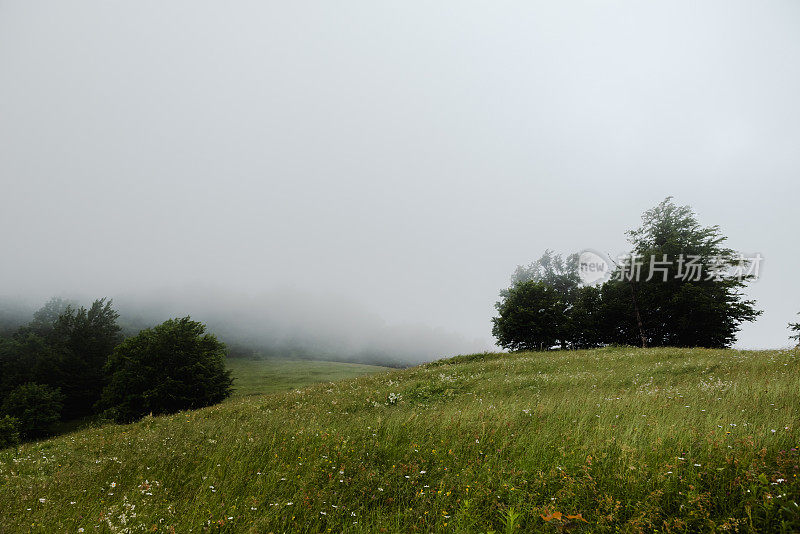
607, 440
273, 375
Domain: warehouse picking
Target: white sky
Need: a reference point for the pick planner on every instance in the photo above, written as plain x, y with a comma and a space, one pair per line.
403, 155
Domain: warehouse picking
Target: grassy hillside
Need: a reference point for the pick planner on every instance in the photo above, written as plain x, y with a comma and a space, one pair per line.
632, 440
272, 375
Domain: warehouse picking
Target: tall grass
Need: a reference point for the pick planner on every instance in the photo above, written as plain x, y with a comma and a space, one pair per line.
608, 440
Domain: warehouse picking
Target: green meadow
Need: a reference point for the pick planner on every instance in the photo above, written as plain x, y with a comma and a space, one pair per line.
252, 377
608, 440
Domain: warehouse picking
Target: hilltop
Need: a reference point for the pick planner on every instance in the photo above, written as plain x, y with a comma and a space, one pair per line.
617, 439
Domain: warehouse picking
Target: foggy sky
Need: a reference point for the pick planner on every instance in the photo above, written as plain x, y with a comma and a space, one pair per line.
402, 157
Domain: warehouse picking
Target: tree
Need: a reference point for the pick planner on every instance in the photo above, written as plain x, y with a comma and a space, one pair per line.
531, 317
45, 318
85, 338
36, 407
795, 327
9, 433
585, 319
63, 347
678, 308
547, 306
552, 270
174, 366
25, 359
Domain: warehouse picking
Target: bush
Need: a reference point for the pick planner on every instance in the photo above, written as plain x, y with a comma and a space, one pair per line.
36, 407
174, 366
9, 433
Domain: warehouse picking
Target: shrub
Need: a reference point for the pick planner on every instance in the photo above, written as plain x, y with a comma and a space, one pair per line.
36, 407
9, 433
174, 366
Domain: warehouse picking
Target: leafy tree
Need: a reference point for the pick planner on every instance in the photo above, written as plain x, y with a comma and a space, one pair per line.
551, 269
45, 318
63, 347
548, 292
24, 359
531, 317
36, 407
174, 366
9, 431
677, 308
546, 304
795, 327
585, 319
85, 338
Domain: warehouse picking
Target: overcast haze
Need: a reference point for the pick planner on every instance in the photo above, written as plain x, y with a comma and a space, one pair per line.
390, 162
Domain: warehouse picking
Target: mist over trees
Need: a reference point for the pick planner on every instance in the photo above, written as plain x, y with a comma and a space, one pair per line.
291, 323
60, 365
547, 306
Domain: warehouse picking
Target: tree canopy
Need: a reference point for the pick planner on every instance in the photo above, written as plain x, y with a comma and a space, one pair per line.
687, 292
174, 366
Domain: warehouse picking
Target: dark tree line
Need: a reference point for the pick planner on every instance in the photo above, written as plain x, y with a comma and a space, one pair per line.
72, 362
547, 306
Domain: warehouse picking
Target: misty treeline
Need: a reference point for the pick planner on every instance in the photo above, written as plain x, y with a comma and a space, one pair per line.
547, 306
72, 362
280, 323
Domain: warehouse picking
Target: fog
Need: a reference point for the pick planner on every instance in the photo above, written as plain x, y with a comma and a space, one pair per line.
362, 178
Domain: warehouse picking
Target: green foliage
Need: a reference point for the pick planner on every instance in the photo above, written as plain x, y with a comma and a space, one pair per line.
36, 408
795, 327
46, 317
9, 431
546, 305
174, 366
85, 338
465, 358
27, 358
63, 347
510, 520
536, 315
531, 316
685, 312
552, 270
